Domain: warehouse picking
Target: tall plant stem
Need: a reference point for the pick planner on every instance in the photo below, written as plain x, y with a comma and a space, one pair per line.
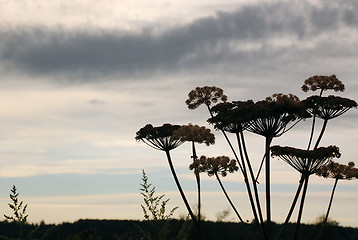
313, 125
197, 177
291, 209
268, 186
306, 178
182, 193
233, 206
259, 171
312, 131
253, 179
321, 133
243, 170
328, 209
248, 187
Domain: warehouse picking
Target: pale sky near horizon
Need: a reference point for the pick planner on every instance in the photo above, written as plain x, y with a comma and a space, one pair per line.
80, 77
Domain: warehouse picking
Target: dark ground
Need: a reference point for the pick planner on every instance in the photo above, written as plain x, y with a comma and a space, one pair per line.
173, 229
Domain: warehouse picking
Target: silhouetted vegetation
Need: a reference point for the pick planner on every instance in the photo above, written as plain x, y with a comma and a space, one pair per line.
270, 118
128, 230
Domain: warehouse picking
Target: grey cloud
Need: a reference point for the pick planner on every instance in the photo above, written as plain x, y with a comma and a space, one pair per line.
204, 42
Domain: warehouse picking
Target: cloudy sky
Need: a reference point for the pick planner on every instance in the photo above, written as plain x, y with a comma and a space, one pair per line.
80, 77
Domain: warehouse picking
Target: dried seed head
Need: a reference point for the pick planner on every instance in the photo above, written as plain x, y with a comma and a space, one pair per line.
205, 95
194, 133
323, 83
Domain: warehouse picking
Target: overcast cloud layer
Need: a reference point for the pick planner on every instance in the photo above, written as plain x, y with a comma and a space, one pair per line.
253, 34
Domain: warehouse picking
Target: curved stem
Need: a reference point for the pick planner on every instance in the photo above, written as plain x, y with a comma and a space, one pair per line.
306, 178
233, 206
292, 208
321, 133
328, 209
182, 193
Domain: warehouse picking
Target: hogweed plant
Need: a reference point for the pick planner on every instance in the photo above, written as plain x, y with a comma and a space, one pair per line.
195, 134
271, 118
337, 172
307, 162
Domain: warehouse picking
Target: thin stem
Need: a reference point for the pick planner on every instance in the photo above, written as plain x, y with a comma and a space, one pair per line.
232, 205
228, 198
301, 206
197, 177
321, 133
292, 208
328, 209
313, 124
247, 184
254, 182
182, 193
259, 171
268, 186
312, 130
243, 170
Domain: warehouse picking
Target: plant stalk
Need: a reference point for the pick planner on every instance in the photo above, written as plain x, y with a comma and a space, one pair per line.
306, 178
268, 186
182, 194
254, 182
328, 209
197, 177
233, 206
292, 208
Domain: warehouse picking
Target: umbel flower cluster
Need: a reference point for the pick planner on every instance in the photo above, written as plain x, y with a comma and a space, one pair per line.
270, 118
214, 165
306, 162
338, 171
323, 83
194, 133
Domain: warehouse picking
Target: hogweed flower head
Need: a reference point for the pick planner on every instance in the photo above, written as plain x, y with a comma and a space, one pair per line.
214, 165
323, 83
306, 162
271, 116
194, 133
328, 107
205, 95
232, 116
338, 171
159, 138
